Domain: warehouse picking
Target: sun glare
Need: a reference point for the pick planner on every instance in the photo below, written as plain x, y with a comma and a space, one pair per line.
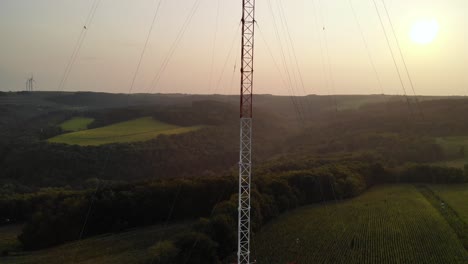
424, 31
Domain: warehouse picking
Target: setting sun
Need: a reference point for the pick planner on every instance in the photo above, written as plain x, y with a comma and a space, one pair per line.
424, 31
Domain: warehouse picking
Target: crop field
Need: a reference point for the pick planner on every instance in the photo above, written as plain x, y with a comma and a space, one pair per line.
141, 129
76, 124
387, 224
128, 247
456, 196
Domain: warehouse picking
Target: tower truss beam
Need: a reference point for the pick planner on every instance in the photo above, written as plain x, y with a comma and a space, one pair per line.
245, 155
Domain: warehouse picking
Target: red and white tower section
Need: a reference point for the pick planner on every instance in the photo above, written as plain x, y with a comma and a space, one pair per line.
245, 162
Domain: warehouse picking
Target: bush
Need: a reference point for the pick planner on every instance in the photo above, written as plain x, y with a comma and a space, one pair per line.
196, 248
163, 252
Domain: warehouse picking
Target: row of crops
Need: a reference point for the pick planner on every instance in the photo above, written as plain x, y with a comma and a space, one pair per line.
456, 196
388, 224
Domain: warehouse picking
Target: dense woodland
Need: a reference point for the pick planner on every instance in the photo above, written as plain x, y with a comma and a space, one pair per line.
318, 152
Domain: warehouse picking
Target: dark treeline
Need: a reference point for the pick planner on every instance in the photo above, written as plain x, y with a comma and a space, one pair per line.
389, 148
53, 217
391, 131
118, 207
44, 164
197, 113
427, 118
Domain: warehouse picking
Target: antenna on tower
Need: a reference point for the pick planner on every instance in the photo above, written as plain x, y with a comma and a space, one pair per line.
30, 84
245, 162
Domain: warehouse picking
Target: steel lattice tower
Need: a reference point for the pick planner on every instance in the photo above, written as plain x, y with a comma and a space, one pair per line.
245, 162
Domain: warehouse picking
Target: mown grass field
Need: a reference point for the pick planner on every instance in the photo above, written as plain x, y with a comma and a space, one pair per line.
141, 129
76, 124
128, 247
387, 224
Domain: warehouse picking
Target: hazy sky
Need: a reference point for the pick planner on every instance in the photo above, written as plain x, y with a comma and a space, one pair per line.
38, 36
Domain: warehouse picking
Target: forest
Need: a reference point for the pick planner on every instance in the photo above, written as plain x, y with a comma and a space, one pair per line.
302, 156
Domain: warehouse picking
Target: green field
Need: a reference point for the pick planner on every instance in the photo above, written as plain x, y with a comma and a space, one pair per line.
141, 129
387, 224
76, 124
128, 247
456, 196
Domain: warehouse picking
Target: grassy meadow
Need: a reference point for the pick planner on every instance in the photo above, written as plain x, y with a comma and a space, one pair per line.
387, 224
76, 124
140, 129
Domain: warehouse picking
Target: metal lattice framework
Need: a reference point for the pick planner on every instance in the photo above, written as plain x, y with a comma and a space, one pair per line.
245, 163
